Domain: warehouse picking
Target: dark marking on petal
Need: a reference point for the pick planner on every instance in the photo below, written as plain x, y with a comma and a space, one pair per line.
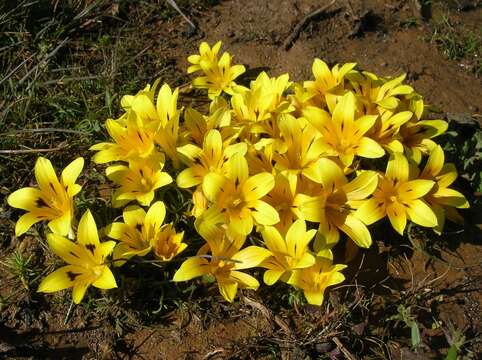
236, 182
90, 247
41, 203
139, 227
74, 254
72, 275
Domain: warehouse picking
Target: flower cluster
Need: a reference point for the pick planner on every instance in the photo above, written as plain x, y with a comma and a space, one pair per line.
276, 172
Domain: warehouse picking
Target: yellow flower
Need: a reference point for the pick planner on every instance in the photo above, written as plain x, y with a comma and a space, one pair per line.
263, 100
443, 200
333, 207
211, 158
238, 197
224, 263
386, 130
328, 83
416, 137
378, 94
199, 201
132, 140
283, 197
168, 126
315, 279
167, 243
138, 181
342, 133
197, 125
304, 147
399, 197
85, 259
289, 253
142, 232
52, 201
218, 75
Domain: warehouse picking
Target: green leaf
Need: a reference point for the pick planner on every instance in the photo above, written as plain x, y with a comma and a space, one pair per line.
452, 353
415, 334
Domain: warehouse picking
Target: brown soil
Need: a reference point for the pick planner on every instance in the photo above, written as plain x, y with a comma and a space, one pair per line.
445, 280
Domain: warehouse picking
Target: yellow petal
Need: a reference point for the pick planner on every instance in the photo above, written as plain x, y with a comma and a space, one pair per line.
305, 261
295, 239
397, 216
331, 174
371, 211
420, 213
72, 171
369, 148
188, 178
450, 197
273, 239
121, 255
365, 123
155, 216
397, 168
213, 184
435, 163
65, 249
244, 281
415, 189
326, 237
345, 110
447, 176
362, 186
134, 216
320, 69
189, 152
264, 213
240, 226
249, 257
272, 276
238, 169
59, 279
213, 144
312, 208
24, 198
314, 297
25, 222
228, 288
46, 177
336, 277
191, 268
106, 280
61, 225
440, 214
258, 186
104, 250
79, 291
87, 231
319, 119
357, 231
117, 230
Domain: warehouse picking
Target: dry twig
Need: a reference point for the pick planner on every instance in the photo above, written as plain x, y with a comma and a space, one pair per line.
299, 26
267, 313
343, 349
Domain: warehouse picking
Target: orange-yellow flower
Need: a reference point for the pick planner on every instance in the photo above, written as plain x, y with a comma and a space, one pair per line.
52, 201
